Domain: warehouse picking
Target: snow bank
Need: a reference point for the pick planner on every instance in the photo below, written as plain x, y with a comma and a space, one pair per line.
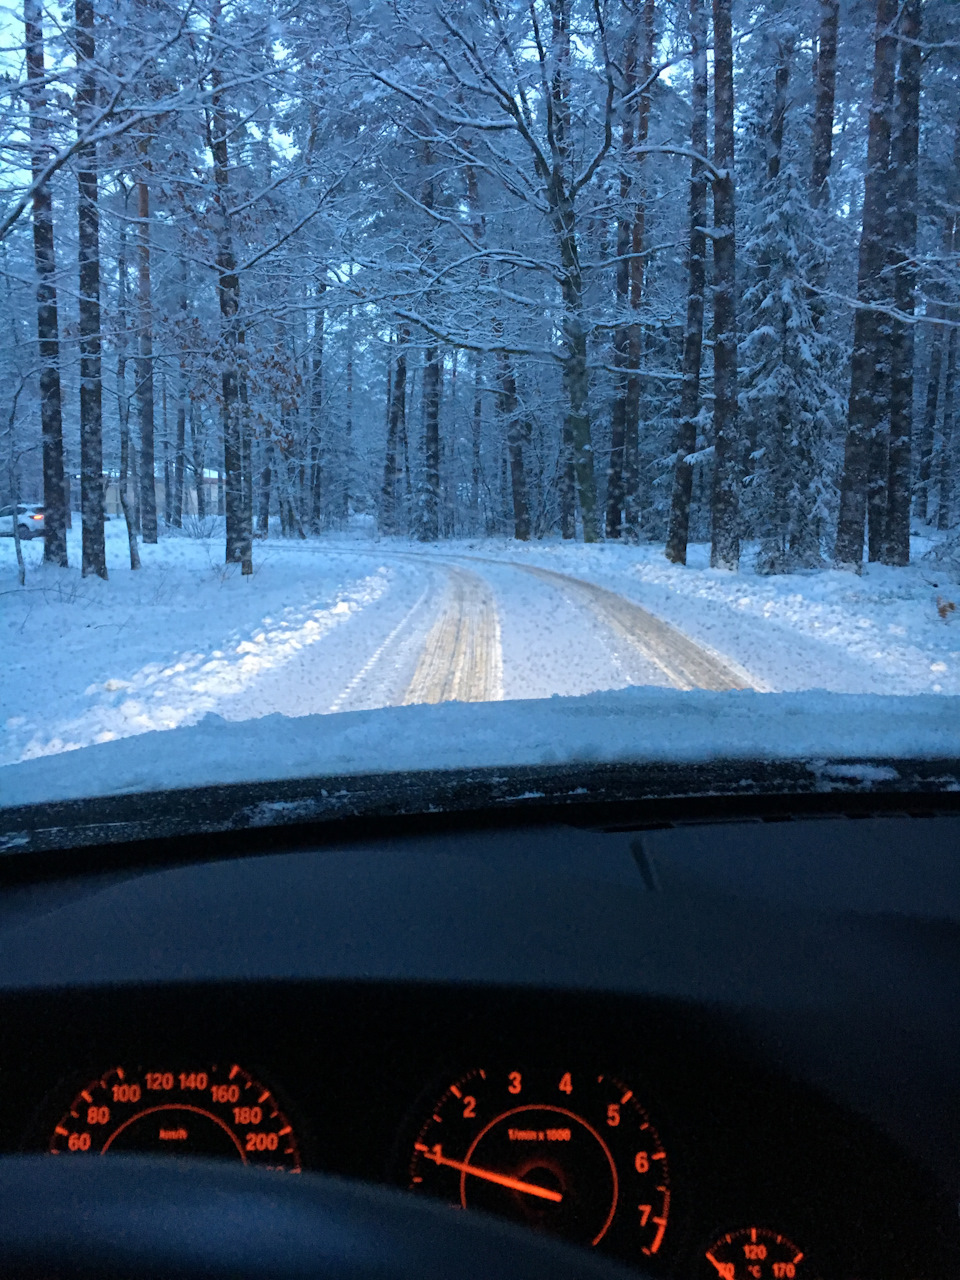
630, 725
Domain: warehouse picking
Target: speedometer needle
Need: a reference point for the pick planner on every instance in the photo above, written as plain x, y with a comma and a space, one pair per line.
488, 1175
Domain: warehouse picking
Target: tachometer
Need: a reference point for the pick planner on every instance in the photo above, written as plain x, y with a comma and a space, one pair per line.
197, 1111
570, 1152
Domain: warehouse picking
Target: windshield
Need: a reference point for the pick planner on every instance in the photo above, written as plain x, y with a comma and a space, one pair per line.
449, 383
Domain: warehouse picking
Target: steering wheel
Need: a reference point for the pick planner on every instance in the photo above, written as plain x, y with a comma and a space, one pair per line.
171, 1219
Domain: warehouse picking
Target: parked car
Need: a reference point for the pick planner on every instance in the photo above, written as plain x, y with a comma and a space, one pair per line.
29, 518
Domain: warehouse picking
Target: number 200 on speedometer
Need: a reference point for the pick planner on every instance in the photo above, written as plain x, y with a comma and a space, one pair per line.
214, 1111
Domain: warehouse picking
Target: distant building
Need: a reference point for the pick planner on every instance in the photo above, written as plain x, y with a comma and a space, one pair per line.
111, 494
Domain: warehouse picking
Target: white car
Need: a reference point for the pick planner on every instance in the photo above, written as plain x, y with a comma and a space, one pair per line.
29, 518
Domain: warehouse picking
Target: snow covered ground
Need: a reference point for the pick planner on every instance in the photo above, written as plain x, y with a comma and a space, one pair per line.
341, 625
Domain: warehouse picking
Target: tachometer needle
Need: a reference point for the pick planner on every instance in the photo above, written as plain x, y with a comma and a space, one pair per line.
488, 1175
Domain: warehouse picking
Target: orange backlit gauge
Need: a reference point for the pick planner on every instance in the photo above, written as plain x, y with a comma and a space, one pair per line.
756, 1254
566, 1151
209, 1111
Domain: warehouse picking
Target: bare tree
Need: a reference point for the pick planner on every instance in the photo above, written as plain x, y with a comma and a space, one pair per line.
725, 499
905, 149
48, 329
824, 108
148, 483
678, 532
94, 557
123, 400
238, 546
393, 468
867, 404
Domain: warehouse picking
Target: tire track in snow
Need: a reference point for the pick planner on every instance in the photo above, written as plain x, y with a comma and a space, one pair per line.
462, 656
357, 696
686, 664
461, 659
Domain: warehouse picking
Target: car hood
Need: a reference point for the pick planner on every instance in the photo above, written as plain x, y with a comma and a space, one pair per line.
623, 746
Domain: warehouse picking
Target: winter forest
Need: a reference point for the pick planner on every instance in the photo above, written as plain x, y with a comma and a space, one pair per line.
652, 270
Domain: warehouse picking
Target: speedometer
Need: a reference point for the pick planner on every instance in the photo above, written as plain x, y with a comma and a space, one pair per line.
565, 1151
179, 1109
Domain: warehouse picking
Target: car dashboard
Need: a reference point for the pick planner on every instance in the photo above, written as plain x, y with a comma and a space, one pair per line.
706, 1050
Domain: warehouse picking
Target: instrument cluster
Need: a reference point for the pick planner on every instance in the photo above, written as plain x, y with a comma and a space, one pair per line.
610, 1126
569, 1152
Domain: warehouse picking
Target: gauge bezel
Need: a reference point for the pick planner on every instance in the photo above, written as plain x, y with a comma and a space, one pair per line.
810, 1272
56, 1103
674, 1243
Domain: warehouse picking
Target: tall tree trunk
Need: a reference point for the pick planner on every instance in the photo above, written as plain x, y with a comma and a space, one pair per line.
429, 513
167, 486
403, 441
179, 461
199, 461
904, 158
578, 434
266, 482
823, 114
347, 465
568, 488
228, 293
922, 497
679, 529
48, 329
123, 401
821, 145
479, 490
393, 467
578, 443
515, 434
430, 499
148, 482
176, 499
868, 388
776, 516
94, 556
315, 517
480, 508
948, 436
725, 499
631, 409
621, 336
134, 485
246, 460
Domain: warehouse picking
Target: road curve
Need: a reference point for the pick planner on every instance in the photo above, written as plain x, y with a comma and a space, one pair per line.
447, 644
686, 664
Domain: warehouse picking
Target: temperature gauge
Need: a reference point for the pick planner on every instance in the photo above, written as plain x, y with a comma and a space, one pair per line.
755, 1253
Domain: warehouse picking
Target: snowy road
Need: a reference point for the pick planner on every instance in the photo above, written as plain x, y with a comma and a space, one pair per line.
327, 629
649, 650
473, 629
350, 624
501, 630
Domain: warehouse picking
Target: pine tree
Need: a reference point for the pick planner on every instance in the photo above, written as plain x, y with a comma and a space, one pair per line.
788, 403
